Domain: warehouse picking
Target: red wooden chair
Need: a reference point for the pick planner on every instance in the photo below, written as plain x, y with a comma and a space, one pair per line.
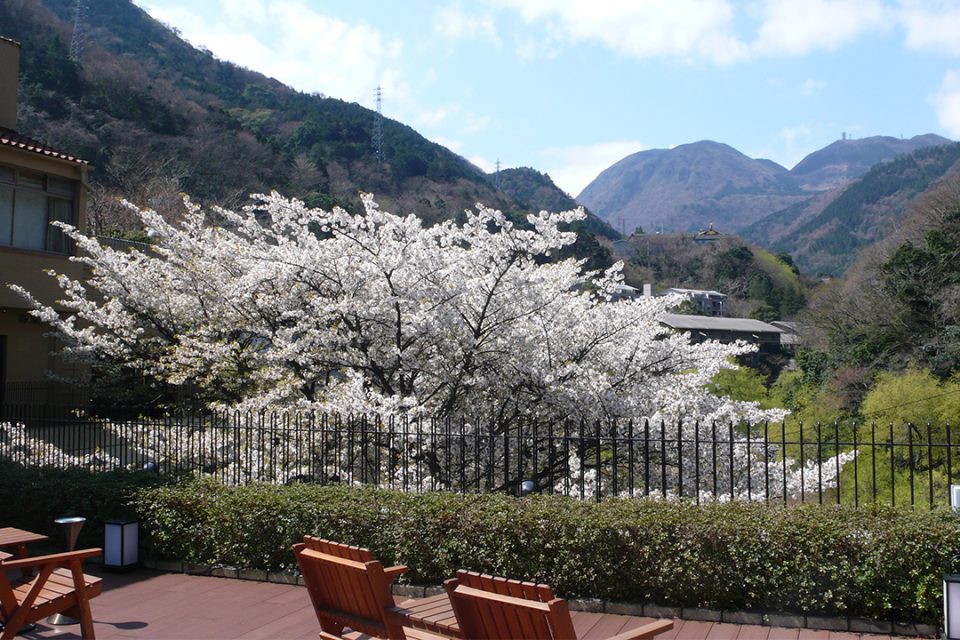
497, 608
350, 589
59, 586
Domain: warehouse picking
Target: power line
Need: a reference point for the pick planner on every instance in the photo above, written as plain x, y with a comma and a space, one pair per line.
905, 404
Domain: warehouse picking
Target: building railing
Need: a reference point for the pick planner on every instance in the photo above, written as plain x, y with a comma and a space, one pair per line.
851, 463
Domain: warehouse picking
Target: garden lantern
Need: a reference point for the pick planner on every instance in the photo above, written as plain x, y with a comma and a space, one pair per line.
951, 606
121, 543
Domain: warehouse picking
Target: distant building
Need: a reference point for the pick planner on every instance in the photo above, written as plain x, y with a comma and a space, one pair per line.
625, 292
38, 185
709, 235
790, 338
726, 330
711, 303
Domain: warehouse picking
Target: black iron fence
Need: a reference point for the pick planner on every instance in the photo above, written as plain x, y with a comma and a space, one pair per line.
851, 463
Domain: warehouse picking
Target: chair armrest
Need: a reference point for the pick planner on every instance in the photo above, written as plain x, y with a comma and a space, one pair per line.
646, 631
58, 559
393, 573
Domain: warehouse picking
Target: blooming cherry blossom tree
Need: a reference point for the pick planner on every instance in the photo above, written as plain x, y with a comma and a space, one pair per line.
297, 307
303, 309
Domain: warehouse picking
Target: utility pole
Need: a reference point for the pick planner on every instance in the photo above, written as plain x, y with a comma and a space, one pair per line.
496, 180
378, 127
76, 42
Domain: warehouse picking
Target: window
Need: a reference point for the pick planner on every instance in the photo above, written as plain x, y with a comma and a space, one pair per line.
29, 202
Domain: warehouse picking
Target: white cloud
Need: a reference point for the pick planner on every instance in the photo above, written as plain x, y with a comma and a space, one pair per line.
454, 23
288, 40
475, 123
946, 103
790, 135
453, 145
811, 86
485, 164
434, 117
684, 28
573, 168
931, 25
797, 27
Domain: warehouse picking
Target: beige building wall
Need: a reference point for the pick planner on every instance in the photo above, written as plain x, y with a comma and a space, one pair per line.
28, 268
26, 351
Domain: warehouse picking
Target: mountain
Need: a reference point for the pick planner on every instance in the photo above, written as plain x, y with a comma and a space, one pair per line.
535, 190
824, 233
844, 160
691, 186
157, 117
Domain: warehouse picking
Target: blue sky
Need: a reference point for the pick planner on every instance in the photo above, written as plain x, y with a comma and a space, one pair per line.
571, 86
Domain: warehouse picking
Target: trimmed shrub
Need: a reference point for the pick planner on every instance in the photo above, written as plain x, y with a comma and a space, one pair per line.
32, 498
876, 562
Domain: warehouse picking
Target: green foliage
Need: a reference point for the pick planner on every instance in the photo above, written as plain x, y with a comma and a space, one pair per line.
810, 403
33, 497
876, 562
759, 284
900, 398
145, 94
742, 383
921, 279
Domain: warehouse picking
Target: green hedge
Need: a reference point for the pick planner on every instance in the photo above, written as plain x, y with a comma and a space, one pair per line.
878, 563
32, 498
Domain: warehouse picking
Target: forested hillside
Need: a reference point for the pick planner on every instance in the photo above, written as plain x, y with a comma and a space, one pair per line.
157, 116
824, 233
759, 284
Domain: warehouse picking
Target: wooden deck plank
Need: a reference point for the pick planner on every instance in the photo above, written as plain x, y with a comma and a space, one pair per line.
584, 621
153, 605
783, 633
607, 626
693, 630
724, 631
753, 632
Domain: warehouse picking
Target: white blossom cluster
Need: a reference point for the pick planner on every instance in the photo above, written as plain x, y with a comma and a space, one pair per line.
17, 444
283, 306
304, 308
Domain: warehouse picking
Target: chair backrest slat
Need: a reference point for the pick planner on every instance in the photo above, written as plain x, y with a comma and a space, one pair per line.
348, 587
346, 591
488, 607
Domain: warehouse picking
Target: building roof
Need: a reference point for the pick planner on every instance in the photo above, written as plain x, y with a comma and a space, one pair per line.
695, 292
713, 323
10, 138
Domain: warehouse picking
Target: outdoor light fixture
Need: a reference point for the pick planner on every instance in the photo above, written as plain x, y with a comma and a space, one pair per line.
527, 487
121, 544
955, 497
951, 606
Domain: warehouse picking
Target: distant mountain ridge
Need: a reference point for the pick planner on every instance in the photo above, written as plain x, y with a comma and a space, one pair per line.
824, 233
844, 160
691, 186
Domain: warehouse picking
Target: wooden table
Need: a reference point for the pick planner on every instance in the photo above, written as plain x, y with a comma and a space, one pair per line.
18, 539
435, 614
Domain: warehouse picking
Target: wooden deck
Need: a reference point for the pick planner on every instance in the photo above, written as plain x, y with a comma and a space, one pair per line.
151, 604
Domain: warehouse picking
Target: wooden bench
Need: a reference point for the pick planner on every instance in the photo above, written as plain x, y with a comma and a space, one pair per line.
59, 586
